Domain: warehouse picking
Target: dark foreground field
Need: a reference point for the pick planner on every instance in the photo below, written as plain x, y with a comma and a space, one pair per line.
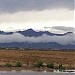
29, 58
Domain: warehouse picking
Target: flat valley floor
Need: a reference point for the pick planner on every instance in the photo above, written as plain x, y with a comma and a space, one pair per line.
29, 57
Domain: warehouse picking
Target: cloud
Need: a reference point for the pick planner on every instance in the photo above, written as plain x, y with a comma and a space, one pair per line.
16, 37
44, 15
63, 28
27, 5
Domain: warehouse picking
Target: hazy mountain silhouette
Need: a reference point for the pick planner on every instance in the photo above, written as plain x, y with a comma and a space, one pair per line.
31, 33
6, 33
52, 45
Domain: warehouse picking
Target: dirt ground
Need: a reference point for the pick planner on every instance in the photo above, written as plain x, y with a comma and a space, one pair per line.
66, 58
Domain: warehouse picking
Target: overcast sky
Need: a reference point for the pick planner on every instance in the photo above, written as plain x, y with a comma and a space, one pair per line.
36, 14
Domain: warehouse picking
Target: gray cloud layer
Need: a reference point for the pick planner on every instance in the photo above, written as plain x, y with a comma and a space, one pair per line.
23, 5
16, 37
63, 28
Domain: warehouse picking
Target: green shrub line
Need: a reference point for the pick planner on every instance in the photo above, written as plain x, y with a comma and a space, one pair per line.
49, 65
17, 64
38, 64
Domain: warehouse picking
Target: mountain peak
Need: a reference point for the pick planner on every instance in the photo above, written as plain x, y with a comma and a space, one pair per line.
30, 30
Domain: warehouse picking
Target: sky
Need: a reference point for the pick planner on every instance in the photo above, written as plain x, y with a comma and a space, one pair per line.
56, 16
37, 14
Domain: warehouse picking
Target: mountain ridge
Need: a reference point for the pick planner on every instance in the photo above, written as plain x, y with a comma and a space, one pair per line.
30, 32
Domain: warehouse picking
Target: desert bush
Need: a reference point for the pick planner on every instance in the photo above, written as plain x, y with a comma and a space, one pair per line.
61, 67
18, 64
50, 65
8, 65
39, 64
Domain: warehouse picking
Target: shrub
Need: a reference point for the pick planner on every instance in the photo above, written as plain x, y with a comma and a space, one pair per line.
50, 65
18, 64
39, 64
8, 64
61, 67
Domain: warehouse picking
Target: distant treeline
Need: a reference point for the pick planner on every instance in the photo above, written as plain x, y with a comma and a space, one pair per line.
49, 49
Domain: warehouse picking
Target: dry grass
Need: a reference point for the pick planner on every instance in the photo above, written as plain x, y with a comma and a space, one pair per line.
57, 57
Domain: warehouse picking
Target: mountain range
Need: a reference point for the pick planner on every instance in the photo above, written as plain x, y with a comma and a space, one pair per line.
30, 32
37, 39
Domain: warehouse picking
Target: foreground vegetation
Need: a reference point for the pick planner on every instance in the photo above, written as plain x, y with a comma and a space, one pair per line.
38, 59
